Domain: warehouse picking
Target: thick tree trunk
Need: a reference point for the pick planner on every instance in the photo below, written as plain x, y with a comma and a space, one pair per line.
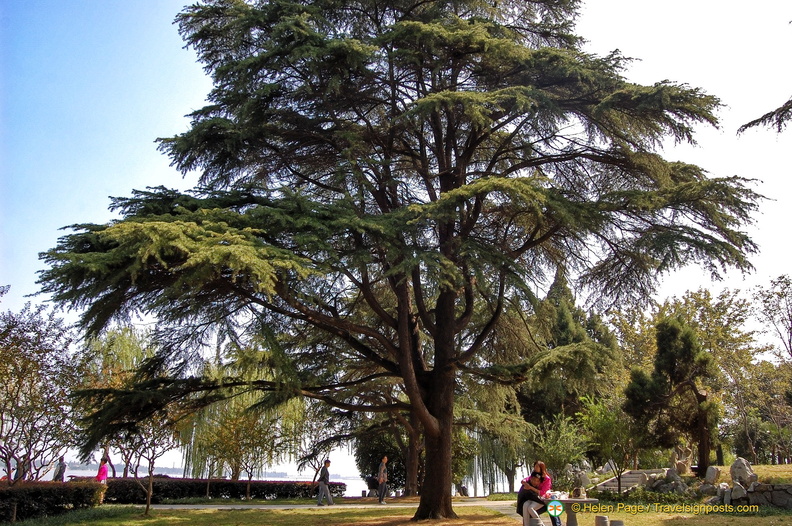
511, 473
435, 500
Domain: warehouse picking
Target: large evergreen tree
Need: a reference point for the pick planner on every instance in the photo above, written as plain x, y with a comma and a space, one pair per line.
674, 400
576, 356
386, 172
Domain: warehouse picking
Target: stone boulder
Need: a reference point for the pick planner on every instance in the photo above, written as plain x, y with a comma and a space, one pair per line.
609, 466
672, 475
722, 488
681, 459
708, 489
712, 476
781, 497
681, 488
742, 473
738, 492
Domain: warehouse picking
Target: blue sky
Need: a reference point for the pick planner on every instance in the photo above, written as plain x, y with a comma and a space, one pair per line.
86, 86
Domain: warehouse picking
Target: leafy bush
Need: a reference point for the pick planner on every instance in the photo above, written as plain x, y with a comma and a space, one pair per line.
653, 458
40, 499
129, 491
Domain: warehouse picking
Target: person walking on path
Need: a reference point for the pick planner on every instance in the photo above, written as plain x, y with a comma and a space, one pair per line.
382, 478
324, 484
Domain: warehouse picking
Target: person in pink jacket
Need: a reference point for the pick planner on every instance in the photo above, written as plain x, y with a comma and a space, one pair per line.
101, 476
545, 485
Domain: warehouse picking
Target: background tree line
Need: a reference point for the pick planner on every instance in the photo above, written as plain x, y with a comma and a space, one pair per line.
602, 387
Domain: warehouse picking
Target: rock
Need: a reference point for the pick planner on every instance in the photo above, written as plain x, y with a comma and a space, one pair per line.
681, 459
672, 475
727, 497
741, 472
782, 499
738, 491
722, 487
712, 476
708, 489
759, 499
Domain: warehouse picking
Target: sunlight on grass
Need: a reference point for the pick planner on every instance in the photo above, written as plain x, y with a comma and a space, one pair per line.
339, 516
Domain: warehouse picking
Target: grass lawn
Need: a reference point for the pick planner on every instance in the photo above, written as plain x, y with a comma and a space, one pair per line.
329, 516
777, 474
110, 515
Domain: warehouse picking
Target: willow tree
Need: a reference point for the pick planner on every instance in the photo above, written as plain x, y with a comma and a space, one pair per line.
382, 170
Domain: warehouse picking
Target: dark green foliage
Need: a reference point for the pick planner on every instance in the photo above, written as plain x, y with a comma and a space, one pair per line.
778, 118
119, 411
369, 450
673, 402
576, 357
43, 499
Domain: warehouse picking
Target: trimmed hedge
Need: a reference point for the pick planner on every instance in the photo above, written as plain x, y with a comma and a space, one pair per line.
43, 499
129, 491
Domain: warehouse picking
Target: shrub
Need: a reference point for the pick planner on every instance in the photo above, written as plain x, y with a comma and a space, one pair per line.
129, 491
41, 499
